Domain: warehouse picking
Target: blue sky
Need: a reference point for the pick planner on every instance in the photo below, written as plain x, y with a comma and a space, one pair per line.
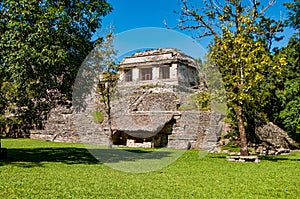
132, 20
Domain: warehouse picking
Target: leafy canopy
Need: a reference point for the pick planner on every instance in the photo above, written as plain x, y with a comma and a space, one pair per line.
242, 38
42, 46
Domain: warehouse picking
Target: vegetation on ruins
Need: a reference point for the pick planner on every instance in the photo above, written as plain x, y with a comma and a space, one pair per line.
199, 101
106, 66
98, 116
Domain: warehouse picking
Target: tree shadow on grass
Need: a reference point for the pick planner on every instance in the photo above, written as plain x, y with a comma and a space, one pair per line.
131, 155
32, 157
274, 158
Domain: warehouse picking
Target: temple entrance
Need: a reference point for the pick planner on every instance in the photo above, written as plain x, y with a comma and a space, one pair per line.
124, 139
146, 138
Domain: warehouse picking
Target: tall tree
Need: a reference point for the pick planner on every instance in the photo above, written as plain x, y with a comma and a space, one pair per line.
42, 46
239, 49
106, 65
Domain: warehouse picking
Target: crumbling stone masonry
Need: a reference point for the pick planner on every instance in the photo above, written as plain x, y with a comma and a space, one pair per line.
153, 107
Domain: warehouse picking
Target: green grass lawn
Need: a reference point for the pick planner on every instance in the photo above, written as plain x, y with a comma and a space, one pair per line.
37, 169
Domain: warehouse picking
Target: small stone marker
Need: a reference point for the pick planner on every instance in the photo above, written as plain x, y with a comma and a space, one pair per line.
243, 159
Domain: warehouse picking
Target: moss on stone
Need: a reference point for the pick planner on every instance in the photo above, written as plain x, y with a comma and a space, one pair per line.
98, 117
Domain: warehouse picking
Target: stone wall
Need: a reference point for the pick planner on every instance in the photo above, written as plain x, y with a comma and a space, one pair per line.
59, 125
196, 129
182, 68
140, 109
154, 111
151, 113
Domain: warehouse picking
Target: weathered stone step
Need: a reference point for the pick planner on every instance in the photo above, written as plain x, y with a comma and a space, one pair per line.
243, 159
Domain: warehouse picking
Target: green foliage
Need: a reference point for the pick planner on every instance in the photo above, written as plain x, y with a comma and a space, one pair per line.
187, 107
199, 101
229, 135
42, 46
242, 40
219, 107
287, 87
102, 61
271, 27
289, 93
232, 147
203, 101
210, 74
98, 117
290, 115
243, 66
37, 169
294, 14
103, 100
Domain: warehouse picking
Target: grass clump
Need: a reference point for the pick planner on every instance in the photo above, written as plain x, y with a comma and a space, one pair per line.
187, 107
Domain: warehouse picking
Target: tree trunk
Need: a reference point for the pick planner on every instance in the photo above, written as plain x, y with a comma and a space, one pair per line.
110, 134
110, 141
241, 126
110, 131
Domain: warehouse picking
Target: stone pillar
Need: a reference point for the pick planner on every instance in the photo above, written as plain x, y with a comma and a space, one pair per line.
155, 73
122, 76
173, 71
135, 74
